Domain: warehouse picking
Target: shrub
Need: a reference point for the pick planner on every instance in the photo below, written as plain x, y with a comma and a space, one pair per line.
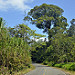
59, 65
69, 66
51, 63
73, 67
45, 62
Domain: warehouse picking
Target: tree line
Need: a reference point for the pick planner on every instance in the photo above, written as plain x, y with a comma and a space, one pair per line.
60, 47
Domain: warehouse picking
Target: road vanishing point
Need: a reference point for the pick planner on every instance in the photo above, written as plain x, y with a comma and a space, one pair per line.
45, 70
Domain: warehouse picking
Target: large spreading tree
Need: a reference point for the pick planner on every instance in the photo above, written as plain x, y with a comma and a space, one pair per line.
47, 17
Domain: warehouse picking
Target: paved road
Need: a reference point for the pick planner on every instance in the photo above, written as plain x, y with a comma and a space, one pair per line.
44, 70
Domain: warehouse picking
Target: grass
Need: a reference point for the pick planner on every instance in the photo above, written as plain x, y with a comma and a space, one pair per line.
24, 71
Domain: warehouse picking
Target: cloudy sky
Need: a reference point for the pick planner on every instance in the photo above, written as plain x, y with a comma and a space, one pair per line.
15, 4
13, 11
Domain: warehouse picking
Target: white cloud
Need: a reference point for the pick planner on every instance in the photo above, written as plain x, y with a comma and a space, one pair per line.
16, 4
42, 38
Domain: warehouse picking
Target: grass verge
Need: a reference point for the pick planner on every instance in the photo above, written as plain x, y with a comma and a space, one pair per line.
24, 71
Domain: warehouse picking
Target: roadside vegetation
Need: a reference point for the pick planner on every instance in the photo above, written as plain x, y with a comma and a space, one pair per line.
67, 66
15, 48
18, 49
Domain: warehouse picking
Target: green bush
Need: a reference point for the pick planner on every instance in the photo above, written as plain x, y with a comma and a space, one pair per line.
45, 62
59, 65
67, 66
73, 67
51, 63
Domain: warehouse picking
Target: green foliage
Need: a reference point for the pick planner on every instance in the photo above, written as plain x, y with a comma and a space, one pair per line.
47, 16
45, 62
71, 31
60, 50
2, 23
15, 48
52, 63
14, 52
61, 45
23, 31
38, 55
67, 66
59, 65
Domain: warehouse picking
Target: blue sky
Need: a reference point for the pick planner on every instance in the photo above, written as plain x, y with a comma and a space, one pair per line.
13, 13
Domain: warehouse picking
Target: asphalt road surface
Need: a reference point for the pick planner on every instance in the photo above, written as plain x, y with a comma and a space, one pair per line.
44, 70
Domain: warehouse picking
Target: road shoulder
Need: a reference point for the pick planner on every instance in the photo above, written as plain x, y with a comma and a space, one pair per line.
24, 71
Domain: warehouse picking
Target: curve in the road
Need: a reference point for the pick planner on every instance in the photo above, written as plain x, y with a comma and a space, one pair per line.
44, 70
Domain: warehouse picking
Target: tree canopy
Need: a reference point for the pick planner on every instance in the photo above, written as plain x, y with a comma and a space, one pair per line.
47, 17
71, 31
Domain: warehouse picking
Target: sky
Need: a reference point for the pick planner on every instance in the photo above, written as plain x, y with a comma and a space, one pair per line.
13, 11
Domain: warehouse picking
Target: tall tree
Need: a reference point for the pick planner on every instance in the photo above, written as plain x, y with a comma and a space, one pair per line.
47, 17
23, 31
71, 30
